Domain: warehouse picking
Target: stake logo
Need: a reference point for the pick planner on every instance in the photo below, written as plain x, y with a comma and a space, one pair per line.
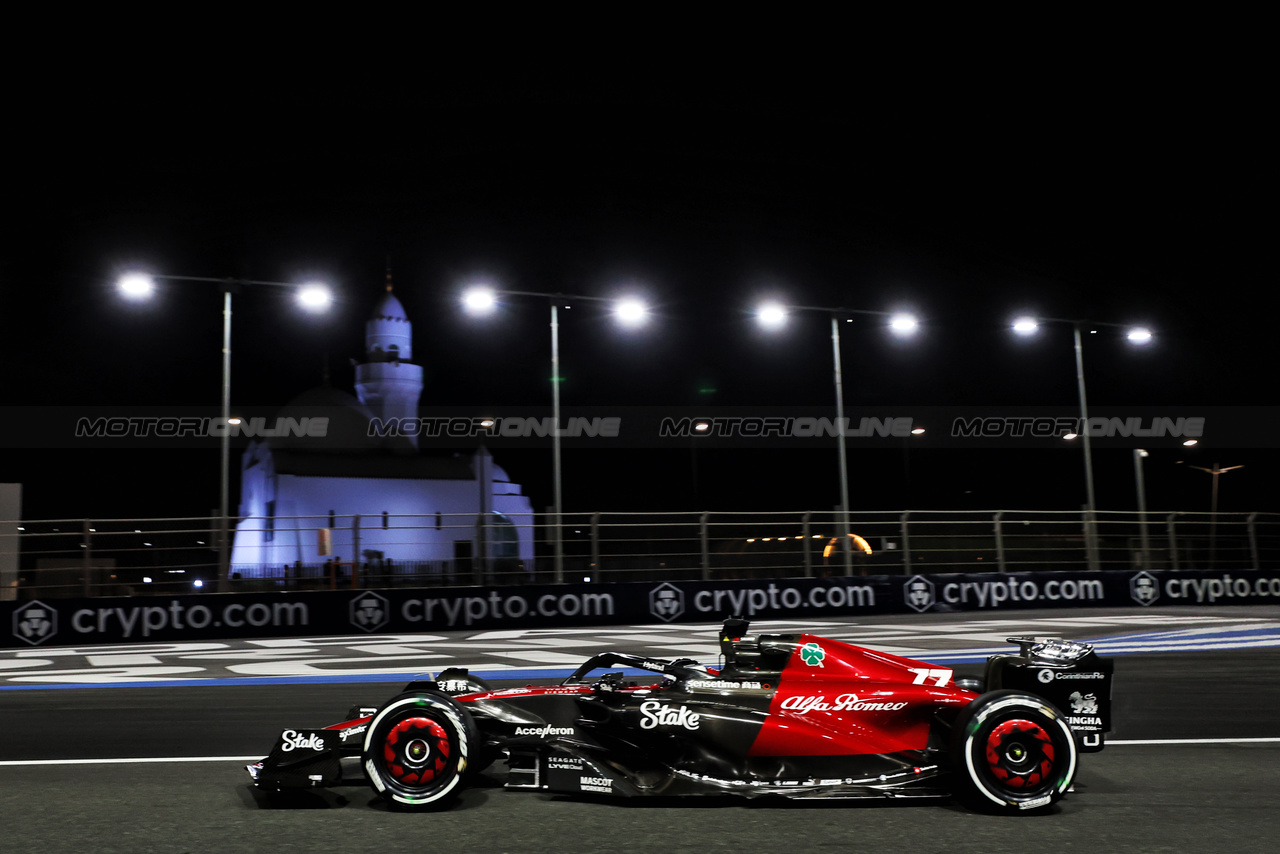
656, 714
919, 593
35, 622
370, 612
291, 740
1144, 589
666, 602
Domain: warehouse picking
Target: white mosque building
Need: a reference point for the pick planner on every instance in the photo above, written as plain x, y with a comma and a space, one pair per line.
400, 515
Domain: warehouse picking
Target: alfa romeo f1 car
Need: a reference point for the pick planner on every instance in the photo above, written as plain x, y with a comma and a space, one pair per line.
785, 714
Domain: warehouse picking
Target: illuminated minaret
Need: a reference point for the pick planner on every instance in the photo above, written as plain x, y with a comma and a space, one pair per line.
387, 381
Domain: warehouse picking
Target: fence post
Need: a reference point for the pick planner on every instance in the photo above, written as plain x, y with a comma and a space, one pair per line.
86, 565
706, 550
808, 558
1253, 541
355, 546
1091, 536
1173, 539
1000, 542
906, 545
597, 569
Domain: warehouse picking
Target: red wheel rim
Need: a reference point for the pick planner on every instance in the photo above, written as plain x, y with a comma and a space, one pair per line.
1019, 754
416, 751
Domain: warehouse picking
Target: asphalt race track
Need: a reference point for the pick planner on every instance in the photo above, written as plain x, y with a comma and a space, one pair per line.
1210, 782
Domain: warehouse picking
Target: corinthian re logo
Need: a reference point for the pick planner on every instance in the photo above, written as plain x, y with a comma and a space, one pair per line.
370, 612
35, 622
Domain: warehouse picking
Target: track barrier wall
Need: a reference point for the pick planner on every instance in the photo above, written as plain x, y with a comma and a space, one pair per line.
358, 613
82, 558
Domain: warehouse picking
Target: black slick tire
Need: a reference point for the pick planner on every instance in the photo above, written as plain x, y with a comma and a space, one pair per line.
417, 750
1012, 752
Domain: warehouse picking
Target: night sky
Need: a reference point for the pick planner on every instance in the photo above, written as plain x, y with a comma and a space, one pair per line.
1107, 175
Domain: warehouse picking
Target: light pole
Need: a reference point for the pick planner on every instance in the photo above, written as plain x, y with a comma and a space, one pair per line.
313, 297
1213, 509
773, 315
629, 311
1136, 335
1138, 456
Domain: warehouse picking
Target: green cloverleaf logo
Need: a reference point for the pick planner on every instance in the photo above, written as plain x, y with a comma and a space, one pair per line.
812, 654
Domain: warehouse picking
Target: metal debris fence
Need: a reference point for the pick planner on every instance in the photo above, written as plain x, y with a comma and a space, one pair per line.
82, 557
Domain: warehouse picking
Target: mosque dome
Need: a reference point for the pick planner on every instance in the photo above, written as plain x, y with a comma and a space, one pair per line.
388, 335
389, 308
346, 428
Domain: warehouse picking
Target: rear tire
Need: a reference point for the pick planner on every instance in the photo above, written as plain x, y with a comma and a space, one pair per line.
417, 750
1011, 752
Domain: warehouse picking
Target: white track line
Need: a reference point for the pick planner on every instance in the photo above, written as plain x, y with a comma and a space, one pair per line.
1192, 741
138, 761
255, 758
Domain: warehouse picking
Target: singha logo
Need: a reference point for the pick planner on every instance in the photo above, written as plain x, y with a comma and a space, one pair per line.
1083, 704
370, 612
919, 593
1144, 589
35, 622
666, 602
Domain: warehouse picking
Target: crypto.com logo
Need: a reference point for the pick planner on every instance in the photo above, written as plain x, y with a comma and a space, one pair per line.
370, 612
35, 622
666, 602
1144, 589
918, 593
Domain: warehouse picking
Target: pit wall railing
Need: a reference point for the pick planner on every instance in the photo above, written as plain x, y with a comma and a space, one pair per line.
114, 557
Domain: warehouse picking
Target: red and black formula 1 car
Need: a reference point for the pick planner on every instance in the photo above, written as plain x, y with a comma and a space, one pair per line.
793, 715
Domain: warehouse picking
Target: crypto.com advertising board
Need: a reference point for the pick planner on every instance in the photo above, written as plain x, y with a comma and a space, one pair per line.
140, 619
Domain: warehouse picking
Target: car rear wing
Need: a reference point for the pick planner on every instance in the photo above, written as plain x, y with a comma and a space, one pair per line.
1068, 674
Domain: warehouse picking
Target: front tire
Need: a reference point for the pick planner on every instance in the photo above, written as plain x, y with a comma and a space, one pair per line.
417, 749
1011, 752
